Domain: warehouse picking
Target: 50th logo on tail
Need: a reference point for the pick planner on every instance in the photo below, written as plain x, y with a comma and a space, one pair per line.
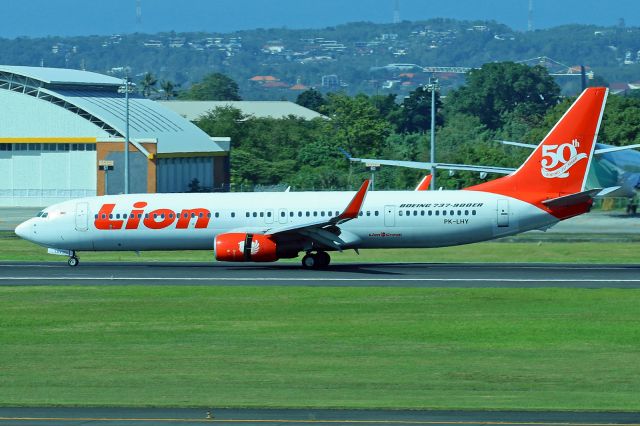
558, 159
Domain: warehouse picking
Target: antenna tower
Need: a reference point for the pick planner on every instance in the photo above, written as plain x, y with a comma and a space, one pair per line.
530, 25
138, 12
396, 12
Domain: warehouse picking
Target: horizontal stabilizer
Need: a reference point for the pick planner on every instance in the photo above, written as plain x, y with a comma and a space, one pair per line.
579, 197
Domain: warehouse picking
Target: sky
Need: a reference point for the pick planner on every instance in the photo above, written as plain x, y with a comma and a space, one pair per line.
38, 18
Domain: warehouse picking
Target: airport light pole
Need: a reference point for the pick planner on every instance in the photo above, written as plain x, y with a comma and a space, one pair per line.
126, 135
433, 87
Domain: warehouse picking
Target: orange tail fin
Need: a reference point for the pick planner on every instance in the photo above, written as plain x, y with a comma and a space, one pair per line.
559, 165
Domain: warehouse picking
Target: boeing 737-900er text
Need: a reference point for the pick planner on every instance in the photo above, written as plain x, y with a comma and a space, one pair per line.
265, 227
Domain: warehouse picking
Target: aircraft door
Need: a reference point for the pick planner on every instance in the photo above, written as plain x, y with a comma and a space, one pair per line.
389, 215
282, 215
82, 216
503, 213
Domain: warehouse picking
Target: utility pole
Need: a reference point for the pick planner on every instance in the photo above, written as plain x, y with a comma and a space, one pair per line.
126, 135
138, 12
396, 12
432, 87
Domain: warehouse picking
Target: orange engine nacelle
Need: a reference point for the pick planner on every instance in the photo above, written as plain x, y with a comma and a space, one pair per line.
237, 247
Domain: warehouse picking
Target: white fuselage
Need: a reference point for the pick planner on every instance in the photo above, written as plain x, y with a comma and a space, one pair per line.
387, 219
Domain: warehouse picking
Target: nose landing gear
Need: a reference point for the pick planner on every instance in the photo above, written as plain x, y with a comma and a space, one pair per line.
318, 260
73, 260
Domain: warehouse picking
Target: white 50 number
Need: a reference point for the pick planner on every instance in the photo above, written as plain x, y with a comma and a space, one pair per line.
557, 159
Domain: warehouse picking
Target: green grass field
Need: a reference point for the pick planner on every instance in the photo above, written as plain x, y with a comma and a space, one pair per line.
12, 248
320, 347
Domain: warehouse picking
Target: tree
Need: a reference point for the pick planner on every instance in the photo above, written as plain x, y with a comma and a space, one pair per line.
497, 89
148, 84
168, 90
311, 99
224, 121
213, 87
356, 124
415, 114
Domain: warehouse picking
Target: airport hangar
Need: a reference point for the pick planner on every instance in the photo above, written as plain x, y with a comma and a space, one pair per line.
62, 135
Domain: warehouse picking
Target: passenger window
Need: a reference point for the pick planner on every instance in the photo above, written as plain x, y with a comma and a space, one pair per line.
95, 216
299, 214
282, 214
290, 214
146, 215
376, 213
360, 214
200, 214
400, 213
208, 214
444, 212
459, 212
255, 214
322, 213
415, 212
118, 216
408, 212
329, 213
110, 216
124, 216
233, 214
170, 216
139, 215
473, 212
368, 213
437, 212
315, 214
466, 212
308, 214
268, 214
451, 212
217, 214
247, 214
261, 214
430, 213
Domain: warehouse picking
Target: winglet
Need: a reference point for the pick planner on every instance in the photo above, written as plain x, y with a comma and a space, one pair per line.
424, 183
353, 209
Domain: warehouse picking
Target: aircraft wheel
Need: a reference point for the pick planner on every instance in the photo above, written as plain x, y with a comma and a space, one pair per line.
323, 259
73, 261
310, 261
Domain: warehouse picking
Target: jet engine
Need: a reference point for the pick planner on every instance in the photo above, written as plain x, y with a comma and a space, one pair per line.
240, 247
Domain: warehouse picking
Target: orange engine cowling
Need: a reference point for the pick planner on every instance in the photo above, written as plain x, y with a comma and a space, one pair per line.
238, 247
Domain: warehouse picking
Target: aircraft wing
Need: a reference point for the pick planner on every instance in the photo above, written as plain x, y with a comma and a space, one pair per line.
326, 232
372, 162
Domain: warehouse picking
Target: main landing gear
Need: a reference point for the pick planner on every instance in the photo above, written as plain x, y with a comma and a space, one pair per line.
73, 259
318, 260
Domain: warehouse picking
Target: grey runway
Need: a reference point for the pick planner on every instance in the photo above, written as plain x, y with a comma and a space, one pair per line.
166, 416
346, 275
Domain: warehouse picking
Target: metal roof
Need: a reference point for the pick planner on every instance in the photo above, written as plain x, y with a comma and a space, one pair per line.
62, 76
86, 98
193, 110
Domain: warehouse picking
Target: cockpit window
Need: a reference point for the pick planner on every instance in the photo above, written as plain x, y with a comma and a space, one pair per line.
40, 214
45, 214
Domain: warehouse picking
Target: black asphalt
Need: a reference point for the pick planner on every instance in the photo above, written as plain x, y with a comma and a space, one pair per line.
164, 416
346, 275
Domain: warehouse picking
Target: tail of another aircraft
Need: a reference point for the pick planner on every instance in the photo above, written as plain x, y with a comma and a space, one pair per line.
558, 167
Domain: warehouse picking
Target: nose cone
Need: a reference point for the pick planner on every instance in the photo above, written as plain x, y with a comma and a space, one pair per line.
23, 230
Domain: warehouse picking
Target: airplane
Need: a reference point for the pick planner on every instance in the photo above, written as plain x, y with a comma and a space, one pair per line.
265, 227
